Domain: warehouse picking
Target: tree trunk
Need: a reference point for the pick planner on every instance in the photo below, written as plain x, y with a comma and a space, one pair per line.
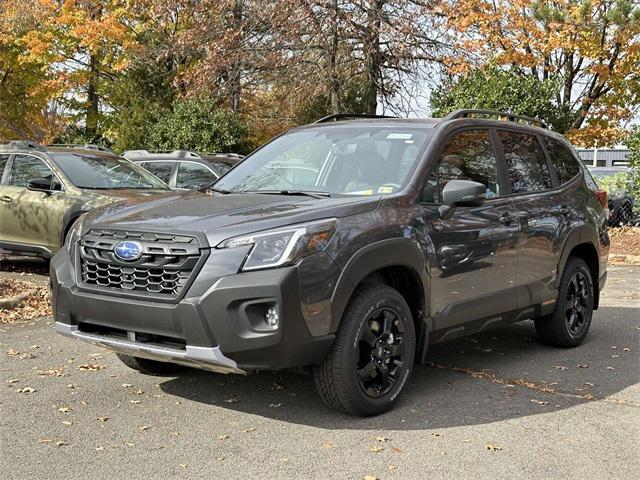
93, 100
334, 86
372, 57
234, 80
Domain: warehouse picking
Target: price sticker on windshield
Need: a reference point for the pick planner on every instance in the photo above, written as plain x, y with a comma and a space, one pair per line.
399, 136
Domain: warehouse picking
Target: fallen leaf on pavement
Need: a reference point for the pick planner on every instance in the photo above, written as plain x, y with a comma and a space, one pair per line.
376, 449
276, 405
560, 367
135, 401
249, 430
492, 448
26, 390
67, 423
540, 402
370, 477
144, 427
382, 439
61, 443
102, 419
231, 400
583, 365
91, 367
326, 444
223, 437
12, 353
127, 385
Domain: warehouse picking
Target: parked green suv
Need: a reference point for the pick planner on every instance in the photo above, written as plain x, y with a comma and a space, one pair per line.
43, 191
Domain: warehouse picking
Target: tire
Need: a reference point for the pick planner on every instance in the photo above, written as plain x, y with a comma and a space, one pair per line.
148, 367
376, 335
569, 323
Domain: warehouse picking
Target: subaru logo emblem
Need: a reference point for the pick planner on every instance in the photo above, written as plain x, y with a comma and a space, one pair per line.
128, 251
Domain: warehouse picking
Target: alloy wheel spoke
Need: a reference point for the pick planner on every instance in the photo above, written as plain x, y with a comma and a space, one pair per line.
368, 336
396, 348
365, 372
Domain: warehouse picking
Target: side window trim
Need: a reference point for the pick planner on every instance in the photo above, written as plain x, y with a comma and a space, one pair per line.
441, 147
503, 176
43, 160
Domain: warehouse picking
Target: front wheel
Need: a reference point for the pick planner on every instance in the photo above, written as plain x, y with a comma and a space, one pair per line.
372, 356
569, 323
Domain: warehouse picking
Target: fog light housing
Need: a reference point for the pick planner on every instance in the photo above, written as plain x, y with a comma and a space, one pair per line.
271, 317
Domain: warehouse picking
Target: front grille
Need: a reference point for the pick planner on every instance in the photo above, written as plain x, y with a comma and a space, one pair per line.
164, 268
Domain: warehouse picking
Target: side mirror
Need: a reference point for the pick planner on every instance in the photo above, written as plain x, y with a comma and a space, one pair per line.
39, 184
463, 193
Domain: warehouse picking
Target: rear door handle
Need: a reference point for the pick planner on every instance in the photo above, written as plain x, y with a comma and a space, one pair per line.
6, 199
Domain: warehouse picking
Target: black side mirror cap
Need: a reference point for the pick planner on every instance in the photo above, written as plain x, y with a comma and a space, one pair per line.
463, 193
40, 185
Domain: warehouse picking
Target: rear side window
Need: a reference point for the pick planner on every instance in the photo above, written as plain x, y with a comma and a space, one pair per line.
3, 164
193, 175
527, 167
562, 159
468, 155
162, 170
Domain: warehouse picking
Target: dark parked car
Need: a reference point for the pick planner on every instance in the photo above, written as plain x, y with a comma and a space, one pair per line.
413, 232
44, 189
185, 170
621, 204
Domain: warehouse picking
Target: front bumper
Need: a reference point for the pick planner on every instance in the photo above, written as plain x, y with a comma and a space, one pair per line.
217, 326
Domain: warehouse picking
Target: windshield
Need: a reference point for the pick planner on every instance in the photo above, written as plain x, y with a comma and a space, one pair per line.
105, 172
352, 160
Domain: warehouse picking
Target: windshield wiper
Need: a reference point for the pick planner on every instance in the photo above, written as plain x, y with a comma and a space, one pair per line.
217, 190
302, 193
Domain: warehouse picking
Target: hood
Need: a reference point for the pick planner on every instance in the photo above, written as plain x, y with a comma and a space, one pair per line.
221, 216
99, 197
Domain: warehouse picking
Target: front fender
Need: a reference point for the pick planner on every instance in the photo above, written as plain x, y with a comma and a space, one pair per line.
394, 252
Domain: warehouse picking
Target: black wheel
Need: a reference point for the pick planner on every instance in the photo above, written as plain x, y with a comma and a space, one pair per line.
148, 367
372, 356
569, 323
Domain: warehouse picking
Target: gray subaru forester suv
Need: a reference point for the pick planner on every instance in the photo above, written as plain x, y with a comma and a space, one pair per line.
408, 233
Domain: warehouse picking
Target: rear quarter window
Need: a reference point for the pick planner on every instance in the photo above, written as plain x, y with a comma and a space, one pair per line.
562, 159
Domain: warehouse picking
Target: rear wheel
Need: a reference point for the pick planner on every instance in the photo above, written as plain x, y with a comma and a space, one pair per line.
372, 356
569, 323
148, 367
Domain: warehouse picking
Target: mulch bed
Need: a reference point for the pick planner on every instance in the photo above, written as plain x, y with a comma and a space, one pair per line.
625, 245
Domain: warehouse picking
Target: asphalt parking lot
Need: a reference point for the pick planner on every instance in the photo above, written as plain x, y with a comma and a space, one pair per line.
496, 405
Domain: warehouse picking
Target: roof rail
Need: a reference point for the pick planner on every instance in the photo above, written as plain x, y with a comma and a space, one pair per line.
160, 153
21, 144
224, 154
334, 117
85, 146
503, 116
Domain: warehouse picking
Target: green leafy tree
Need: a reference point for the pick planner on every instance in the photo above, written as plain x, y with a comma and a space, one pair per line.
198, 124
495, 89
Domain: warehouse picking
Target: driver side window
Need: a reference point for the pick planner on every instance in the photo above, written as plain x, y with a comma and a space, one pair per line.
28, 167
468, 155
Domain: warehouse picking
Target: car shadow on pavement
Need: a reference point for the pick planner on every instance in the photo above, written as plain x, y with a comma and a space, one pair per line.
494, 376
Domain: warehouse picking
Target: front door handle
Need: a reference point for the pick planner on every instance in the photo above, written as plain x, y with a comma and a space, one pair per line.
6, 199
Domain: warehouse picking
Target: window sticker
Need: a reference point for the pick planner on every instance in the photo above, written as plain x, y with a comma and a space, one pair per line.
385, 189
399, 136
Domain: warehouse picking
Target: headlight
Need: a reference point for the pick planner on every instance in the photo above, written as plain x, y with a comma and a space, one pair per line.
285, 246
74, 234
